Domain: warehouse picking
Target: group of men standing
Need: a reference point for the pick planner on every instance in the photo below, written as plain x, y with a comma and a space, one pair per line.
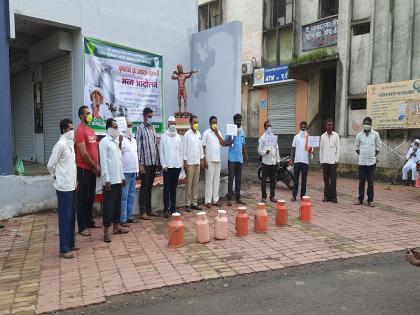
367, 146
77, 160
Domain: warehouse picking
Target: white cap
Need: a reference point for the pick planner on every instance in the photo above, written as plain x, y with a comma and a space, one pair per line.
417, 141
171, 119
96, 88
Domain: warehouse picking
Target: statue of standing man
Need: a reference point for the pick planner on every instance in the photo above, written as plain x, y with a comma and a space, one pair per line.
182, 76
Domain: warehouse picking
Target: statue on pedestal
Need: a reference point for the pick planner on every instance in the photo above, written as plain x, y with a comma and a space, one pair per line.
181, 77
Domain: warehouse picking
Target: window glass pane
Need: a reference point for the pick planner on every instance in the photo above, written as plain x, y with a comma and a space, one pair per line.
270, 49
360, 29
328, 8
279, 13
215, 13
203, 17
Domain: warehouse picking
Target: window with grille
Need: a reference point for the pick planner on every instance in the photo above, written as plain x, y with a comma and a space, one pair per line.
210, 15
328, 8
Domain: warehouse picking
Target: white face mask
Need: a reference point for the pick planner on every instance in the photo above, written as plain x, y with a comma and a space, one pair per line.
112, 132
268, 131
172, 128
303, 132
69, 136
130, 130
367, 127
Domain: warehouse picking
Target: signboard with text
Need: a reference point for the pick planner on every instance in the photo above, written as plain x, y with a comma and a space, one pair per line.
320, 34
394, 105
265, 76
121, 82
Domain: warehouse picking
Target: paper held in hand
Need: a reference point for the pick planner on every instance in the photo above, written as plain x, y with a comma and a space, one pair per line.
270, 140
122, 124
313, 141
231, 130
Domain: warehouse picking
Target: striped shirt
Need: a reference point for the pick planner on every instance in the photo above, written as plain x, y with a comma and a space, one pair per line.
147, 148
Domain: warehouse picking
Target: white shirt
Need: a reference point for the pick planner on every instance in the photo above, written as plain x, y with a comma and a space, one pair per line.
301, 155
329, 148
368, 145
212, 144
170, 151
273, 157
192, 147
62, 165
416, 156
130, 159
111, 161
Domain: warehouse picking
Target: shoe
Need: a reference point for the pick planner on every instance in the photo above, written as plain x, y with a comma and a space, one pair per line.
153, 214
144, 216
85, 232
135, 220
125, 224
217, 204
263, 199
325, 200
334, 200
95, 226
240, 202
370, 204
75, 249
358, 202
194, 207
229, 203
1, 226
188, 209
67, 255
208, 205
166, 214
107, 238
273, 199
293, 199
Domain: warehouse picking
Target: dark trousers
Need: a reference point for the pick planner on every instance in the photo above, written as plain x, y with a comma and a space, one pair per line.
366, 173
330, 181
112, 205
234, 172
85, 198
298, 169
268, 171
66, 219
170, 182
145, 194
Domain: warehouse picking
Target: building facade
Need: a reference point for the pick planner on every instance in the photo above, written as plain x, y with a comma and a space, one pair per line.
333, 50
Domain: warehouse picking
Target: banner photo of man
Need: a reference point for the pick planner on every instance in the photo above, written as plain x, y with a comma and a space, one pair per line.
121, 82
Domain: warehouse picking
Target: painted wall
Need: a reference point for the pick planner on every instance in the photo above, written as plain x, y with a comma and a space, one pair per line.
359, 77
160, 26
216, 89
301, 102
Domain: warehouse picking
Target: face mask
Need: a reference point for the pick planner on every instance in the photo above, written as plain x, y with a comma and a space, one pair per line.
214, 126
329, 129
89, 118
268, 131
112, 132
367, 127
239, 125
172, 128
195, 126
302, 128
130, 130
69, 136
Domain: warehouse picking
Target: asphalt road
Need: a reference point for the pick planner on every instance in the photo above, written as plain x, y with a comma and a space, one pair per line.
377, 284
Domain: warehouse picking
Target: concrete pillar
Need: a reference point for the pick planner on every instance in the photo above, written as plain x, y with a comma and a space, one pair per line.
6, 144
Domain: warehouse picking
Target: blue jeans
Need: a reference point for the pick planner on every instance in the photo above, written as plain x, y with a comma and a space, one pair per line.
127, 197
66, 219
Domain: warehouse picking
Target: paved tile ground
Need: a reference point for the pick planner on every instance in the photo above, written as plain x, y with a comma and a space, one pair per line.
34, 280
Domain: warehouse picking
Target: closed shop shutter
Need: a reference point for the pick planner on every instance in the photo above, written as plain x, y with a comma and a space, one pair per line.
23, 116
282, 108
57, 95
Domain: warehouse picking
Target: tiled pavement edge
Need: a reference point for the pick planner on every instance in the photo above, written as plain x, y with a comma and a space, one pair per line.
34, 279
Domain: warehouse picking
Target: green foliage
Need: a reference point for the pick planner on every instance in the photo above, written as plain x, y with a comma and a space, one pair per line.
318, 54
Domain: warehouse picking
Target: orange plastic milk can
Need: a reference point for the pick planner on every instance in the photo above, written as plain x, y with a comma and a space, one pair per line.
306, 209
261, 219
281, 213
221, 228
241, 222
202, 228
176, 231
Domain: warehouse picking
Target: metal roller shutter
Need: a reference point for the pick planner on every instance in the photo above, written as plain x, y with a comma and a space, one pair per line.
57, 95
23, 115
282, 108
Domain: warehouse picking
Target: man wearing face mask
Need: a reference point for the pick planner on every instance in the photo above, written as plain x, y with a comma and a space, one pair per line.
148, 153
367, 146
62, 165
328, 156
112, 179
237, 150
193, 156
170, 152
270, 159
300, 158
212, 140
130, 168
413, 156
87, 162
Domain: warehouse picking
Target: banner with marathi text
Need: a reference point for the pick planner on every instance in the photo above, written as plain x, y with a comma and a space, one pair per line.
121, 82
394, 105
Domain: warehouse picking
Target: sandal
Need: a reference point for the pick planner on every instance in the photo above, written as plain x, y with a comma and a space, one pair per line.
125, 224
120, 231
133, 220
96, 226
107, 238
85, 232
67, 255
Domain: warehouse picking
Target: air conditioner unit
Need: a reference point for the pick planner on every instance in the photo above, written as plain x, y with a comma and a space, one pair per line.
247, 68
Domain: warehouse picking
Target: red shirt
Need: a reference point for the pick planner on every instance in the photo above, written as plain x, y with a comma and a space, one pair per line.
87, 135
